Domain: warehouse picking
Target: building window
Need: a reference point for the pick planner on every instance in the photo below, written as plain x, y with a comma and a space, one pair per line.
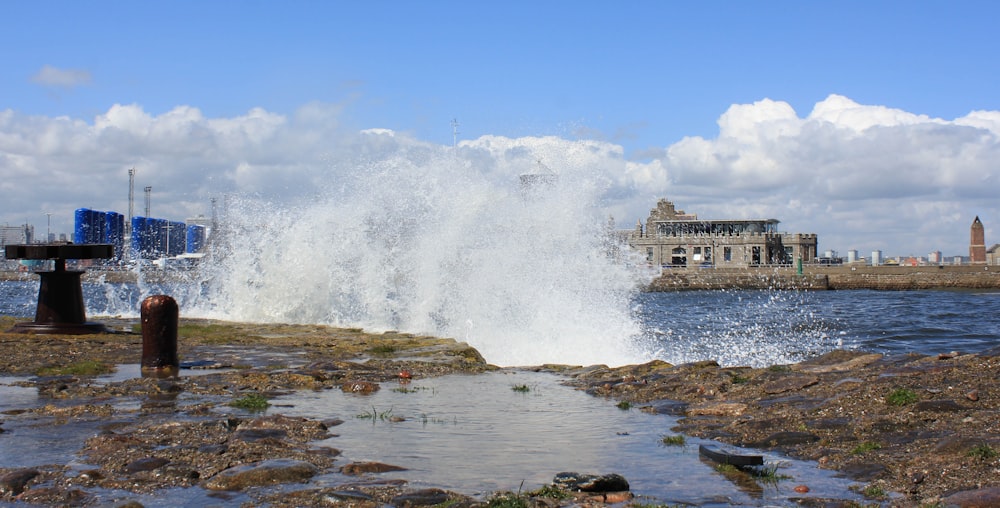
649, 254
727, 253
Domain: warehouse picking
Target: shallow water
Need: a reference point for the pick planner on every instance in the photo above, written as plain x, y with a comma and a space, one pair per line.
476, 434
473, 434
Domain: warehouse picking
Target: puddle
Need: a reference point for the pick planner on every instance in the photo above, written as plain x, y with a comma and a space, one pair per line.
472, 434
476, 435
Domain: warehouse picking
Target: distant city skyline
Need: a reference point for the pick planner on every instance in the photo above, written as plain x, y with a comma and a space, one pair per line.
884, 136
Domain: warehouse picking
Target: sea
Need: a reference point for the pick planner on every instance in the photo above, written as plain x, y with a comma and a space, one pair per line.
734, 327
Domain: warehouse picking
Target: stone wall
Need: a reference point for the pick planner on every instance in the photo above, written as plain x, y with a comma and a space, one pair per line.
884, 278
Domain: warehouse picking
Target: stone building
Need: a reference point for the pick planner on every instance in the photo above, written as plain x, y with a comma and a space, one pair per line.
672, 238
977, 243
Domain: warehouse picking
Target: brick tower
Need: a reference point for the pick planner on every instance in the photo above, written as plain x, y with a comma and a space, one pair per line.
977, 243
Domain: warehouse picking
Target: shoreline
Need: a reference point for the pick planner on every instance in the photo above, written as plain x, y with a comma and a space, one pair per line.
913, 430
812, 278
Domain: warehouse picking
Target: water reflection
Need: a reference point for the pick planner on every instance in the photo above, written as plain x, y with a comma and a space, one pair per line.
476, 434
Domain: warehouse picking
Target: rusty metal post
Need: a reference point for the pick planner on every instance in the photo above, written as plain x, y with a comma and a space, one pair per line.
159, 315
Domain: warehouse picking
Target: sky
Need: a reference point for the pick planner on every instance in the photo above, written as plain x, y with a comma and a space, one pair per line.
875, 125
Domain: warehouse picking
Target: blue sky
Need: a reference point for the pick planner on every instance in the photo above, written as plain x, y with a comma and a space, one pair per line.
642, 76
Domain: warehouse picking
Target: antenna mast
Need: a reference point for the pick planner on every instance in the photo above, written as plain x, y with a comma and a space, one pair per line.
149, 190
454, 132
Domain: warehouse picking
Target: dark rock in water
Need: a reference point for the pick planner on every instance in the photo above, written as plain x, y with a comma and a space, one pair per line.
252, 435
423, 497
591, 483
667, 407
786, 439
360, 387
54, 496
13, 483
268, 472
978, 498
146, 464
359, 468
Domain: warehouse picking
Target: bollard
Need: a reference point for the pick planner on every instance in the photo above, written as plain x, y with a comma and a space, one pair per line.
159, 337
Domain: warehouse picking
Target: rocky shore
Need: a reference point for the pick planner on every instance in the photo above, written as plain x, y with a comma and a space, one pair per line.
913, 430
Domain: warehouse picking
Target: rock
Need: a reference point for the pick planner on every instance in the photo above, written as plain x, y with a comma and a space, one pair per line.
834, 362
972, 395
978, 498
360, 387
717, 409
938, 405
267, 472
146, 464
612, 482
787, 438
422, 497
359, 468
790, 383
14, 482
666, 407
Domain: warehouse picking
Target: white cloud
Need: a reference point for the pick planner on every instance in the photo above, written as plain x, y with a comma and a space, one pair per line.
859, 176
62, 78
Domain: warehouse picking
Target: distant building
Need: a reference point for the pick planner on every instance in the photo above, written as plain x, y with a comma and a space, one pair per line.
935, 257
876, 258
672, 238
13, 235
977, 243
993, 255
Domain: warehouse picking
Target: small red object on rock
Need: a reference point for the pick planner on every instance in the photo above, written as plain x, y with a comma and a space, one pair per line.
405, 374
801, 489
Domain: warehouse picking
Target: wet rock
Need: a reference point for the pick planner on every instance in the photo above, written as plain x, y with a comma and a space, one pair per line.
360, 387
423, 497
863, 471
837, 361
359, 468
54, 496
790, 383
268, 472
978, 498
829, 423
666, 407
13, 483
972, 395
938, 405
253, 435
786, 438
717, 409
612, 482
146, 464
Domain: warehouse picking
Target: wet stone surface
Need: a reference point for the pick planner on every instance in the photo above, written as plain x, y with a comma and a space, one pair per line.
917, 430
905, 425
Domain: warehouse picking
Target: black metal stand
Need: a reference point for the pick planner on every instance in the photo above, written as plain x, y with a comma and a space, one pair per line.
60, 296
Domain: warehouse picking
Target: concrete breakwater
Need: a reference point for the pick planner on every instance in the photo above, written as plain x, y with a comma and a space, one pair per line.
883, 278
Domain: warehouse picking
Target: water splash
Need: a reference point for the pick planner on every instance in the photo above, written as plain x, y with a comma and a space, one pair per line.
437, 245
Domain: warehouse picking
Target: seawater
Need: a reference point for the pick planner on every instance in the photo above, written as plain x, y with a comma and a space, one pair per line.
735, 327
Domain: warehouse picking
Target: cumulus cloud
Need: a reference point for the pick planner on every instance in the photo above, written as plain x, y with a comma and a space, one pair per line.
61, 78
860, 176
